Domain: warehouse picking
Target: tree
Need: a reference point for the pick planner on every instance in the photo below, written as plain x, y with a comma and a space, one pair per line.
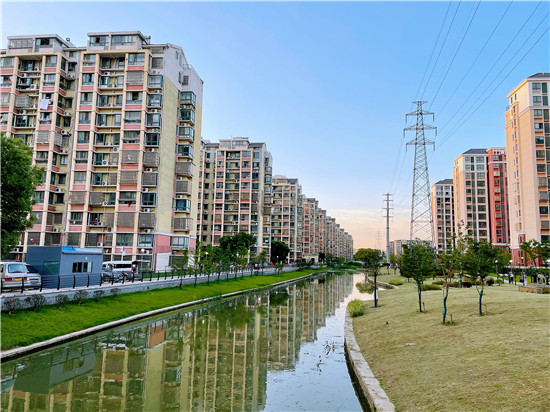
322, 257
179, 264
19, 180
393, 262
279, 251
418, 261
372, 260
534, 250
478, 262
236, 243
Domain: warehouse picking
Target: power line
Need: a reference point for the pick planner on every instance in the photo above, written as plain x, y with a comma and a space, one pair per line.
433, 50
441, 49
456, 52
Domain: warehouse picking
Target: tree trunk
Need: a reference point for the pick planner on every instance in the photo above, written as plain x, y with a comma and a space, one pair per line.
444, 308
419, 298
480, 298
375, 294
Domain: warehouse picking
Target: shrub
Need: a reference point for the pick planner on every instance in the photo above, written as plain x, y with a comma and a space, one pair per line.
356, 308
489, 281
115, 292
499, 281
396, 282
455, 284
11, 304
427, 286
79, 296
466, 283
438, 282
98, 294
35, 301
61, 300
364, 287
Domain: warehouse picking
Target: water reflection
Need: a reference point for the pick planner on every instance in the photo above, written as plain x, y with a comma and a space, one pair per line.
215, 357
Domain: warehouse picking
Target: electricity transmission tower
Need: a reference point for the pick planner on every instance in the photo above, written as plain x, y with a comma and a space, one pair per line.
421, 213
387, 200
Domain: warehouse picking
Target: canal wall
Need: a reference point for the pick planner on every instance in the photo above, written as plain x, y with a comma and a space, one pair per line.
367, 384
35, 347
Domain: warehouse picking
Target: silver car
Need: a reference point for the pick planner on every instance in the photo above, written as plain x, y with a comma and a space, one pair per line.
17, 274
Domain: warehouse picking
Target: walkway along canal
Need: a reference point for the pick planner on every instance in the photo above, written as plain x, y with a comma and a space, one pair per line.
281, 349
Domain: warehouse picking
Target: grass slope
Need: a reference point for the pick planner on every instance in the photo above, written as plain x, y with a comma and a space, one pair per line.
25, 327
500, 361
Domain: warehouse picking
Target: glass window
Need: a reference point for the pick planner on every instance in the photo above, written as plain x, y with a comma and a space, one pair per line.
7, 62
537, 100
132, 117
83, 137
136, 59
79, 177
38, 197
124, 239
148, 199
87, 79
145, 240
133, 97
51, 61
82, 267
535, 86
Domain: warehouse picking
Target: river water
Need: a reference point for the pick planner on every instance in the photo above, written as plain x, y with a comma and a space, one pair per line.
280, 350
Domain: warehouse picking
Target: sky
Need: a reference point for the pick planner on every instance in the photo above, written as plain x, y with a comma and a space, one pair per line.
327, 85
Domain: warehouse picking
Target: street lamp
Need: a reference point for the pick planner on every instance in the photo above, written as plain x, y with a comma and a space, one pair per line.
512, 271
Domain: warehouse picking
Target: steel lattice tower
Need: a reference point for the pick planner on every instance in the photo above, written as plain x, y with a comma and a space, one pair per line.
421, 213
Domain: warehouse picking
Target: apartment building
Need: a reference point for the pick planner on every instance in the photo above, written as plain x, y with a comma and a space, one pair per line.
310, 208
443, 213
285, 221
527, 132
497, 183
38, 88
471, 211
235, 191
129, 111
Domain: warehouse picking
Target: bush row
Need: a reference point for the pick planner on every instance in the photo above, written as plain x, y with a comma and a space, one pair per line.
35, 302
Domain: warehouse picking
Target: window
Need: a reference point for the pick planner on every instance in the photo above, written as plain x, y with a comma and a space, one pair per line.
79, 177
537, 112
180, 241
131, 136
84, 118
124, 239
118, 40
98, 41
87, 79
63, 160
183, 205
145, 240
148, 199
543, 210
82, 267
76, 218
136, 59
83, 137
154, 81
38, 197
133, 97
51, 61
154, 100
86, 98
6, 62
41, 157
535, 86
153, 120
132, 117
537, 100
129, 197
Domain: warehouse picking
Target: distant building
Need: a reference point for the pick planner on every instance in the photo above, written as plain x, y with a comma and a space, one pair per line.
497, 183
527, 131
443, 213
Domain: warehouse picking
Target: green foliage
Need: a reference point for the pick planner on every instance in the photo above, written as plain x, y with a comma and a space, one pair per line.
61, 300
80, 296
395, 282
438, 282
371, 258
180, 263
238, 243
279, 251
11, 304
534, 250
364, 287
19, 179
356, 308
418, 261
98, 294
428, 286
35, 301
115, 292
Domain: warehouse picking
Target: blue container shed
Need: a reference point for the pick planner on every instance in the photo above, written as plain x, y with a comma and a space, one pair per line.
66, 266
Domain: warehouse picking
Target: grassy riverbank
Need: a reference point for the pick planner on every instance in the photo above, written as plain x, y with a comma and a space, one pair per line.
499, 361
25, 327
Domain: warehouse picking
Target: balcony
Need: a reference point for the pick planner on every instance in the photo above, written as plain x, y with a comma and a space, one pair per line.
188, 98
186, 133
187, 116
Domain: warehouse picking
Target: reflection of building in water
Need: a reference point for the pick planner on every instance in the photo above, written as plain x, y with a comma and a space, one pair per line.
213, 358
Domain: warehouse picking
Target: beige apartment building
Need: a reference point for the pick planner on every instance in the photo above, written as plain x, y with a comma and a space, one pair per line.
527, 131
113, 124
235, 191
471, 212
443, 213
286, 222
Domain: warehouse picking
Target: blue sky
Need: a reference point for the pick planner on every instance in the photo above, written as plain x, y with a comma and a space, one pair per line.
327, 85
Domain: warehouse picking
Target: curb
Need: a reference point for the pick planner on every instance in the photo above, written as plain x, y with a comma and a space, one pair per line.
368, 386
35, 347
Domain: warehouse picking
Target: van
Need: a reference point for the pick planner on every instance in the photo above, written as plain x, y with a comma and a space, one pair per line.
117, 269
15, 275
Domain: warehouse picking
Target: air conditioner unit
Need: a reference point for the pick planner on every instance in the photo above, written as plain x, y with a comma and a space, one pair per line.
179, 178
23, 111
145, 189
112, 85
107, 73
149, 169
146, 210
64, 132
152, 149
147, 230
109, 229
63, 151
107, 144
55, 230
105, 203
58, 190
157, 91
179, 196
70, 76
33, 87
146, 252
65, 113
155, 71
115, 149
154, 111
24, 75
110, 105
99, 244
104, 183
105, 162
37, 69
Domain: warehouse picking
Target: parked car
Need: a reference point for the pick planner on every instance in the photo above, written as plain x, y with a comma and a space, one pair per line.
107, 276
15, 275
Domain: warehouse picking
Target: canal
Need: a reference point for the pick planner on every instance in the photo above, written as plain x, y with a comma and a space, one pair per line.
281, 349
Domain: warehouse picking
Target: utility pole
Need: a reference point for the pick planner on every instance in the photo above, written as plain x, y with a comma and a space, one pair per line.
387, 200
421, 214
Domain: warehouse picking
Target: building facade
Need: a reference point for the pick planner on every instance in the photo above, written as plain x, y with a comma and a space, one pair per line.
527, 131
497, 183
286, 218
471, 211
235, 193
443, 213
117, 142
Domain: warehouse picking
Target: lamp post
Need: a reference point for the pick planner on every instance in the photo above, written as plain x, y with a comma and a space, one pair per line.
511, 270
496, 270
207, 269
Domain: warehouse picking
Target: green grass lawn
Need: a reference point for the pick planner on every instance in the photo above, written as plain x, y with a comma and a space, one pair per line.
25, 327
496, 362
